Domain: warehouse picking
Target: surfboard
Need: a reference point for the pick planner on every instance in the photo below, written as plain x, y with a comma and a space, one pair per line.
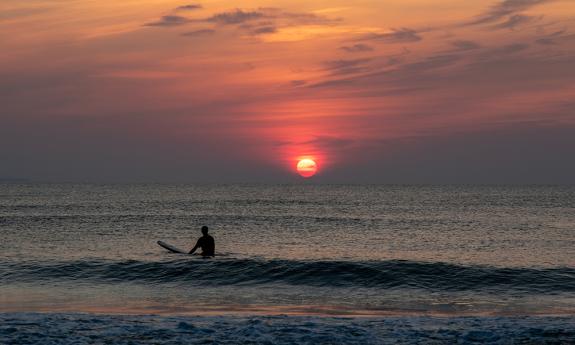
171, 248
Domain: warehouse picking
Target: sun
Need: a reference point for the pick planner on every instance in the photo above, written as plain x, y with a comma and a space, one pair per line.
306, 167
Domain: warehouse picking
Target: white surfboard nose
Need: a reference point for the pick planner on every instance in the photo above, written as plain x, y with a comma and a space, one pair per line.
171, 248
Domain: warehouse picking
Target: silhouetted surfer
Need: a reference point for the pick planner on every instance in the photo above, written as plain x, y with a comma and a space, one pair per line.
205, 242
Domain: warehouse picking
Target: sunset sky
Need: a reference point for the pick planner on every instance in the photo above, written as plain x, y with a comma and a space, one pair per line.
399, 91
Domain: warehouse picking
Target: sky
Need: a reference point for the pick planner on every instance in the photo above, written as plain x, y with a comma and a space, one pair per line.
398, 91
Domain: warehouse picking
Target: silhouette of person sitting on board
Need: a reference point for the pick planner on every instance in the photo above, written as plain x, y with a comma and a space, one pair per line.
206, 242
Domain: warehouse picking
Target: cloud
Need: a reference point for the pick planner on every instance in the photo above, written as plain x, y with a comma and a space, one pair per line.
264, 30
302, 18
403, 73
357, 48
201, 32
546, 41
506, 49
329, 142
516, 20
431, 63
551, 39
403, 35
324, 143
333, 83
237, 16
339, 67
7, 13
275, 16
265, 27
486, 74
169, 21
559, 33
505, 8
465, 45
253, 22
296, 83
190, 7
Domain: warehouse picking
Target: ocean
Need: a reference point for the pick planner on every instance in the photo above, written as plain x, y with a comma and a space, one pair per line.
443, 261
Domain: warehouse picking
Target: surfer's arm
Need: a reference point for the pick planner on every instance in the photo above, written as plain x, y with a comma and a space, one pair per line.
195, 247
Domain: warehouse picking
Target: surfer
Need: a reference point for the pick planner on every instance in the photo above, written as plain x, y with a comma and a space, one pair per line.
206, 242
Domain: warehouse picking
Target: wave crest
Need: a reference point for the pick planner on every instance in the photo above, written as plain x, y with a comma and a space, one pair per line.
367, 274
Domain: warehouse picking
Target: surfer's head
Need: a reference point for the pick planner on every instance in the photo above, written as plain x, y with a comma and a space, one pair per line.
204, 230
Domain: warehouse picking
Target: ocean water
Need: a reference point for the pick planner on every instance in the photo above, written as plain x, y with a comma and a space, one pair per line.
289, 249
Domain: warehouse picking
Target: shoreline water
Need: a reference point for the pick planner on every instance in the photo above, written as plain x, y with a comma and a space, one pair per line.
74, 328
275, 310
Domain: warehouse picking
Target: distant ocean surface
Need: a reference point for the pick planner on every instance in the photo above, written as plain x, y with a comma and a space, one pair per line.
339, 250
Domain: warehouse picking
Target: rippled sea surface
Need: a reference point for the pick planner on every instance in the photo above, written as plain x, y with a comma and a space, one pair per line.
363, 250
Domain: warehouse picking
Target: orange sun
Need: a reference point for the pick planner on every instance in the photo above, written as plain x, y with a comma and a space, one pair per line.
306, 167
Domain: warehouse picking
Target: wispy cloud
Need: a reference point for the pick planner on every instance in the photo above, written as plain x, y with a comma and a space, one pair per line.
516, 20
237, 16
506, 50
340, 67
357, 48
465, 45
169, 21
403, 35
266, 29
252, 22
296, 83
329, 142
190, 7
241, 16
320, 142
201, 32
259, 28
304, 18
546, 41
505, 8
431, 63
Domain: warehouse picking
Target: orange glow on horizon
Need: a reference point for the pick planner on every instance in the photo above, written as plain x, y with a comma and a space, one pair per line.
306, 167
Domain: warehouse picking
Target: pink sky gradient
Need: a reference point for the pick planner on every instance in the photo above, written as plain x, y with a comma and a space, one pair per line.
403, 91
